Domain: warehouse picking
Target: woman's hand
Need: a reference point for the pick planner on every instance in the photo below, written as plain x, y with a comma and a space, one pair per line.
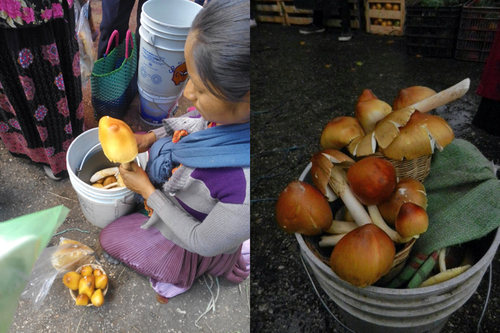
137, 180
145, 141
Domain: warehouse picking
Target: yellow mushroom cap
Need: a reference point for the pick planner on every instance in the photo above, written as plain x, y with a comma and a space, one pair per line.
117, 140
411, 95
339, 132
419, 137
369, 112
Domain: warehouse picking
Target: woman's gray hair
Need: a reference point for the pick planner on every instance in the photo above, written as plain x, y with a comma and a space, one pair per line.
221, 49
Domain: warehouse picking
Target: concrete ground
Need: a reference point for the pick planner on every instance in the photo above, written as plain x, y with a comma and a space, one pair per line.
299, 83
131, 304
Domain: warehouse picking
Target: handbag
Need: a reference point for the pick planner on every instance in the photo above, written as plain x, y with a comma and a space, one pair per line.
114, 78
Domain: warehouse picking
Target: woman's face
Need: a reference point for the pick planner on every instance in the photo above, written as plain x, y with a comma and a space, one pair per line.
210, 107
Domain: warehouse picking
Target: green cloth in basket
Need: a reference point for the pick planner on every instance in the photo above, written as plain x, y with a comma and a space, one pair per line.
463, 198
463, 204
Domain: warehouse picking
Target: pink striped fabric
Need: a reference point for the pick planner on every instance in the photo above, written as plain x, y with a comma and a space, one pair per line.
149, 253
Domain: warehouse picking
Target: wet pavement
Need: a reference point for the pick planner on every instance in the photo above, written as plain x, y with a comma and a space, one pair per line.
130, 305
299, 83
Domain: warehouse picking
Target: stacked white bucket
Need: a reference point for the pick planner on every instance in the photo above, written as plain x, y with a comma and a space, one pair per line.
162, 67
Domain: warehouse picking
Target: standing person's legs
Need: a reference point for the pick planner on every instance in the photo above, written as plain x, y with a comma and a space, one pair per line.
317, 24
115, 16
138, 18
345, 14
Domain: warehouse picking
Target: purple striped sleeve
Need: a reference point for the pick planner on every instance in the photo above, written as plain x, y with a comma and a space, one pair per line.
228, 185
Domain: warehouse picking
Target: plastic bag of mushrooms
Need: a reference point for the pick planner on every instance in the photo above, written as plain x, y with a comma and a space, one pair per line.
458, 203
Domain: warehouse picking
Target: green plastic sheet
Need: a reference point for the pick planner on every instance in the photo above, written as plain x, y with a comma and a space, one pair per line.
21, 241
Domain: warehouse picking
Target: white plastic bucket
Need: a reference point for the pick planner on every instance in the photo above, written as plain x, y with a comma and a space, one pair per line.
385, 310
156, 108
162, 71
164, 29
173, 16
166, 34
100, 207
172, 42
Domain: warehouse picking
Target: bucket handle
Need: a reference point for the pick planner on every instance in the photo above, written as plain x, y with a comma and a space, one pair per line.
110, 40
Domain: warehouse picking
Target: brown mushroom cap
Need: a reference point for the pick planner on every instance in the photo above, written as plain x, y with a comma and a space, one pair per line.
366, 95
117, 140
363, 255
372, 180
388, 128
339, 132
369, 112
419, 137
322, 163
363, 145
411, 95
302, 208
412, 220
407, 190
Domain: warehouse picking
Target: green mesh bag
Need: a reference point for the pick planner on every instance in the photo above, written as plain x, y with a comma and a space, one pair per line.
114, 78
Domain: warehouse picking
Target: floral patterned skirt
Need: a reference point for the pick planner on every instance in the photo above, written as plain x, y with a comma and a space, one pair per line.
41, 109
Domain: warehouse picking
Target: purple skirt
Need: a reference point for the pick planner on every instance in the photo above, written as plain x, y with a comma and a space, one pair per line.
149, 253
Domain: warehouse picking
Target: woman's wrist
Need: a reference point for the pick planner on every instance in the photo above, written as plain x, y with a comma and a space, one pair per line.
151, 138
147, 192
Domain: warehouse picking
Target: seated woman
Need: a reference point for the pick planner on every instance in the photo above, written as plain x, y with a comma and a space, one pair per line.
198, 218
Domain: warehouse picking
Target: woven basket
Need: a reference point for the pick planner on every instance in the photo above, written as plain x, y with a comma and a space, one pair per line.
417, 168
323, 253
74, 293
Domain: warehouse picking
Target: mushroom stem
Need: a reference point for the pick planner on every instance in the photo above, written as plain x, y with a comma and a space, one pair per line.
127, 166
111, 185
444, 276
341, 227
339, 185
378, 220
442, 260
443, 97
330, 240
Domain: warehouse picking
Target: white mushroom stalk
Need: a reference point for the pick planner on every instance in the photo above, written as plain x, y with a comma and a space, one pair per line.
337, 230
379, 222
341, 227
339, 185
442, 260
330, 240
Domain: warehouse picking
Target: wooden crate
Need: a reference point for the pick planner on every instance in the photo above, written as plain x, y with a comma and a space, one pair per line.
394, 19
284, 12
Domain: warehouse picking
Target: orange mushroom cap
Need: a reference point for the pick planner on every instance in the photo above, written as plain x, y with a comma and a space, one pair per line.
117, 140
411, 95
419, 137
369, 112
339, 132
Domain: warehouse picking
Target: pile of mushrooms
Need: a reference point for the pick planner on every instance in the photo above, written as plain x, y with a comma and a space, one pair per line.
402, 132
364, 248
381, 211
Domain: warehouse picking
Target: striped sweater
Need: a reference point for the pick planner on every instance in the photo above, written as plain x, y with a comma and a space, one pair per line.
205, 211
